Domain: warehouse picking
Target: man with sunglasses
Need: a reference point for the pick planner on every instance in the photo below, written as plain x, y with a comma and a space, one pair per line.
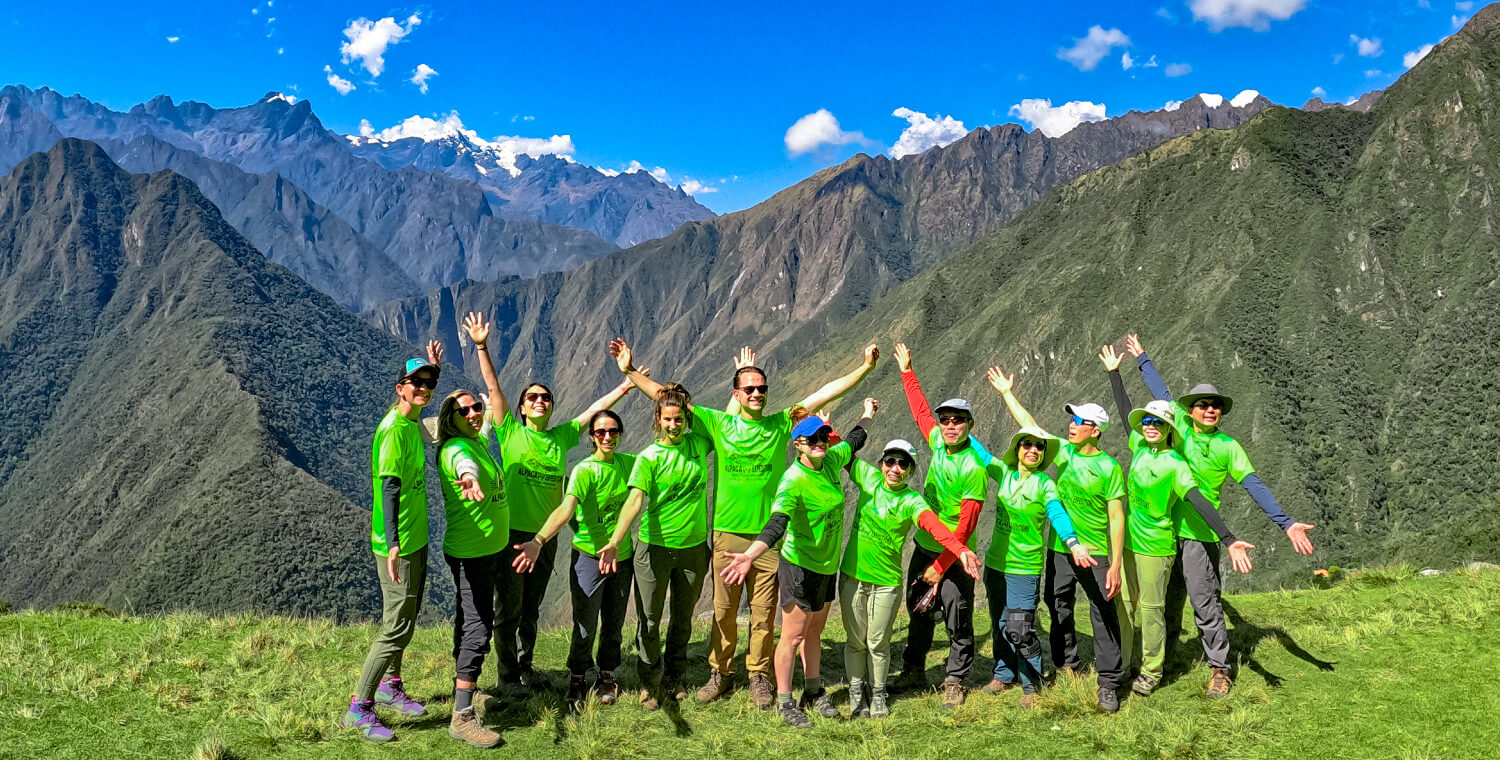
1213, 457
956, 487
750, 457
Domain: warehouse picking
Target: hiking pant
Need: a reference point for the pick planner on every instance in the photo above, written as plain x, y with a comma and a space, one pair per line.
1063, 580
869, 613
723, 637
660, 571
1196, 577
1018, 648
956, 592
1145, 604
599, 604
473, 611
518, 602
400, 603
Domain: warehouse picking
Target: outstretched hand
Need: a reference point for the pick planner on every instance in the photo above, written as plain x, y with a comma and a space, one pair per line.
1239, 555
1133, 345
434, 353
903, 357
619, 349
477, 328
871, 407
739, 566
526, 555
1110, 358
745, 359
1298, 534
468, 488
1002, 382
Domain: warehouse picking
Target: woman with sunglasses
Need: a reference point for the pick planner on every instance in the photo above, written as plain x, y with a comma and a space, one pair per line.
534, 460
1159, 483
870, 589
956, 487
596, 493
809, 512
476, 533
398, 537
668, 490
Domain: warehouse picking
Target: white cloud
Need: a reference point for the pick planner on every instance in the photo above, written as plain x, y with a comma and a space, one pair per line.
1179, 69
607, 172
1056, 121
1367, 47
173, 39
1338, 57
503, 148
1089, 50
1151, 64
1126, 62
1254, 14
1459, 21
1245, 98
818, 129
1172, 105
1411, 58
1211, 100
694, 187
1465, 7
1372, 73
366, 129
923, 133
519, 117
339, 83
1319, 92
1165, 15
661, 175
290, 100
280, 51
420, 76
369, 39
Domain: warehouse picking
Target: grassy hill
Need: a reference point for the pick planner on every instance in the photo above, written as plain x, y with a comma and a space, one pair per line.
1382, 665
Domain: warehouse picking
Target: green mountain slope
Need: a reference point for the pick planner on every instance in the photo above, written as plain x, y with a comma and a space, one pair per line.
187, 423
1334, 271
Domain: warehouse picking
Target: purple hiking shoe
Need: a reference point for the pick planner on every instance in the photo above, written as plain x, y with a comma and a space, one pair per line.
361, 715
391, 694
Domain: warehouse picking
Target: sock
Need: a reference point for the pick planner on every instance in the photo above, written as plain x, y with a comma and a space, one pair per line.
784, 697
812, 685
463, 699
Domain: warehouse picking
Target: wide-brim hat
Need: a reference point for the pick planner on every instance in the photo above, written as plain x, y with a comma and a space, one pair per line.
1204, 390
1012, 452
902, 445
1155, 408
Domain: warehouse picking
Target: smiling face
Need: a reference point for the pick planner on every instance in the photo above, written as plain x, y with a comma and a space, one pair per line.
1207, 411
895, 468
814, 447
469, 414
606, 434
1153, 429
536, 403
417, 389
954, 425
1030, 450
673, 423
750, 390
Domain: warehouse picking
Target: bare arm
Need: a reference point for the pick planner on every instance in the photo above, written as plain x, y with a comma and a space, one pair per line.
632, 509
479, 332
608, 400
1006, 384
837, 388
527, 553
619, 349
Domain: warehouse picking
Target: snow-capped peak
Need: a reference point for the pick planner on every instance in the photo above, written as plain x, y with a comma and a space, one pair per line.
502, 150
1211, 100
1245, 98
290, 100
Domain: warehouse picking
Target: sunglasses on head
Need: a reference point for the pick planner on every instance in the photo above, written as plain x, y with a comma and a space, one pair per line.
467, 410
1208, 403
1033, 444
1153, 421
749, 389
1081, 421
422, 382
547, 397
955, 419
901, 462
605, 432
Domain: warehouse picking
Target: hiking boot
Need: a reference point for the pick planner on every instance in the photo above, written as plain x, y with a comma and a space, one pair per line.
465, 727
513, 690
1218, 684
911, 680
578, 691
718, 687
535, 680
391, 694
1144, 685
1109, 701
794, 716
878, 707
361, 716
821, 703
997, 687
761, 692
607, 689
650, 699
676, 690
859, 702
1029, 700
485, 702
954, 694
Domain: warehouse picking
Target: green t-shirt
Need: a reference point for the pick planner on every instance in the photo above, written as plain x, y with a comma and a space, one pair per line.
675, 479
1159, 482
600, 488
535, 464
882, 520
749, 459
397, 451
1213, 457
951, 478
1085, 486
813, 500
1020, 511
475, 528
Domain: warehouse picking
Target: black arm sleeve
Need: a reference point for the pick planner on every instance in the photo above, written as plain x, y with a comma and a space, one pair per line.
390, 506
1122, 399
775, 528
1211, 516
857, 435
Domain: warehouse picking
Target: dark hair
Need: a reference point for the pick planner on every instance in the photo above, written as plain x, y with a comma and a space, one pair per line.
594, 420
521, 404
448, 425
746, 370
671, 394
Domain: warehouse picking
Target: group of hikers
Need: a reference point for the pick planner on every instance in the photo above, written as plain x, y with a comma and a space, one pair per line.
1138, 545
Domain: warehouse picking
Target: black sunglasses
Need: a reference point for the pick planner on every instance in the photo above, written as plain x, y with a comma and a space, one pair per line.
422, 382
749, 389
1208, 403
467, 410
955, 419
901, 462
605, 432
1033, 444
819, 437
547, 397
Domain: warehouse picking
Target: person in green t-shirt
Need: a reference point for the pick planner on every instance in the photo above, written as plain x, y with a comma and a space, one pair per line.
1160, 481
596, 493
668, 490
533, 455
870, 586
398, 537
1091, 486
750, 455
1214, 457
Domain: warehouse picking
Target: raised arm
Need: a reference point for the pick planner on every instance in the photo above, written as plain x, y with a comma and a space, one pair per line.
1296, 531
746, 358
1005, 384
914, 396
837, 388
1154, 382
479, 333
608, 400
1111, 362
860, 433
609, 553
619, 349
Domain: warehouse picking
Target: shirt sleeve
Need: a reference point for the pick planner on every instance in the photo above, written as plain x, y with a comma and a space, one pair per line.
1263, 499
918, 403
388, 456
643, 474
968, 520
707, 421
1211, 516
858, 435
580, 482
775, 528
390, 507
1115, 488
839, 455
1152, 378
928, 520
1122, 398
985, 457
567, 434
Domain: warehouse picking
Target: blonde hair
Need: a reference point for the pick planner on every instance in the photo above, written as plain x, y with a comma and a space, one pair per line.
448, 426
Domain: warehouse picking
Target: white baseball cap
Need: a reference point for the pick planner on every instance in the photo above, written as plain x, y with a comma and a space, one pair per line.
902, 445
1091, 412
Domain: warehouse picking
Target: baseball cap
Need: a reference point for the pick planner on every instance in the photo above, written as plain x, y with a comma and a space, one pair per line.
902, 445
1091, 412
413, 366
809, 426
956, 404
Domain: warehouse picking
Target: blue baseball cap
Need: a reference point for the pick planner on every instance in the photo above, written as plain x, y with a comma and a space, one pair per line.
808, 427
413, 366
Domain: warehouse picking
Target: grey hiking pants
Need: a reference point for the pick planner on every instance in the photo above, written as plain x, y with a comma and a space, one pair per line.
1195, 578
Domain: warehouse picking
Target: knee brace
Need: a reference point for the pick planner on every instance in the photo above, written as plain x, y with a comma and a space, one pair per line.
1020, 631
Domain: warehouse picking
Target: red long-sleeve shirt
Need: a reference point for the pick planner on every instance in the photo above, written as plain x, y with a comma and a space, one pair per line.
968, 515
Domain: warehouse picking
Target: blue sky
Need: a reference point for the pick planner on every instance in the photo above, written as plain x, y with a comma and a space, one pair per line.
709, 93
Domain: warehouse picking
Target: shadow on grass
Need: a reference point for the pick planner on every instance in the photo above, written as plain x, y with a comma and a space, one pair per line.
1245, 636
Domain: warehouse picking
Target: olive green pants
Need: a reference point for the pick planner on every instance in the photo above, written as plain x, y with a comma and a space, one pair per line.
869, 614
1145, 606
398, 620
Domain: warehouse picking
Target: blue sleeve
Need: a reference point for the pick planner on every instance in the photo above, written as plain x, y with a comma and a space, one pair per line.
1060, 521
1262, 495
1154, 383
985, 457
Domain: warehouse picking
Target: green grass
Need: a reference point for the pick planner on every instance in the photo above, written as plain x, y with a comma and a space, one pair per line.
1382, 665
